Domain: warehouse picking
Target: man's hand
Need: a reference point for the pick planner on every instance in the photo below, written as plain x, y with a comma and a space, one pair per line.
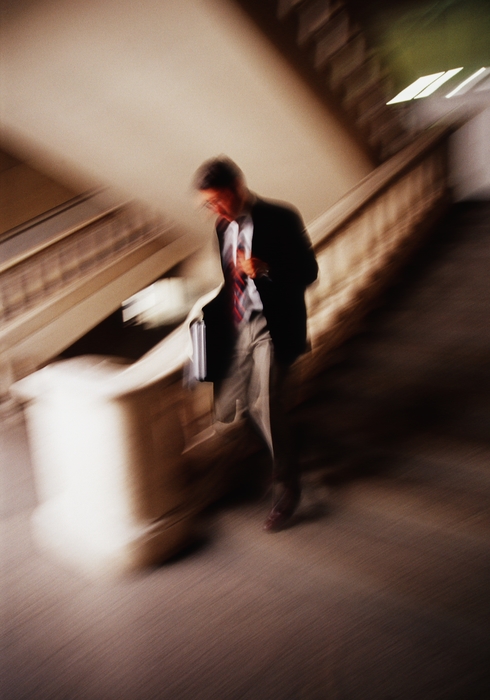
253, 267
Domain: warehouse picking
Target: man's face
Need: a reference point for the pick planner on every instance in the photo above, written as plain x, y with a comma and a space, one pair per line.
224, 201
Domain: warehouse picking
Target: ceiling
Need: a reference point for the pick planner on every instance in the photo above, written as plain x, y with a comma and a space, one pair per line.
420, 37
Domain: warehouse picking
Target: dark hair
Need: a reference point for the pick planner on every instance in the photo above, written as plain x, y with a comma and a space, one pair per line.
217, 173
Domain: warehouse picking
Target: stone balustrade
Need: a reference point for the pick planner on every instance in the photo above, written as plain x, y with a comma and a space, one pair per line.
56, 291
37, 275
362, 239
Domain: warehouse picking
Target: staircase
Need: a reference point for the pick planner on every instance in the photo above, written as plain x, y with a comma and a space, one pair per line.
347, 69
360, 243
378, 590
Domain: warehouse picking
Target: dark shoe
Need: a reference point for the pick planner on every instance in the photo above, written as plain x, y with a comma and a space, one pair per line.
283, 509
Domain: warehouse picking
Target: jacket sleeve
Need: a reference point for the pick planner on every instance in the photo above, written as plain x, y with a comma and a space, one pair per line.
292, 262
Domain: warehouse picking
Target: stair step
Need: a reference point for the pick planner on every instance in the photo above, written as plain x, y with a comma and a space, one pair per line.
348, 61
365, 89
313, 16
375, 128
333, 37
375, 124
383, 115
364, 78
285, 7
390, 145
379, 134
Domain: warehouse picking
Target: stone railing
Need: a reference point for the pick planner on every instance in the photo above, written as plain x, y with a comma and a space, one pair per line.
42, 288
127, 457
362, 239
35, 276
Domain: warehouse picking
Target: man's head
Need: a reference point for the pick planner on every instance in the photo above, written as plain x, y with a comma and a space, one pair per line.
221, 187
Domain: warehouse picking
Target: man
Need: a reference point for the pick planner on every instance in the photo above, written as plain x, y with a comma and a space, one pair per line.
256, 326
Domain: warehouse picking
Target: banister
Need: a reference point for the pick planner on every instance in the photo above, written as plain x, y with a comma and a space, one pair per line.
56, 238
54, 293
348, 206
50, 214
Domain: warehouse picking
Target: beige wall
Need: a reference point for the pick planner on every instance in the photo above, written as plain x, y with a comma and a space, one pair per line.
26, 193
137, 95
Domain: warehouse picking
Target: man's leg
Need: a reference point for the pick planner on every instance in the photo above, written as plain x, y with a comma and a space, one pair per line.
267, 402
255, 382
230, 394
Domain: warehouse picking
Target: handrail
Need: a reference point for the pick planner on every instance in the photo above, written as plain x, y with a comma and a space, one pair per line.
76, 254
56, 238
49, 214
364, 237
348, 206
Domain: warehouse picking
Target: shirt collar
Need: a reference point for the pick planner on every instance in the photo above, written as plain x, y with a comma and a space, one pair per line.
247, 207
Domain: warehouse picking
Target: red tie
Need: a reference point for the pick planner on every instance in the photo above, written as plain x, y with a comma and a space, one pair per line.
239, 285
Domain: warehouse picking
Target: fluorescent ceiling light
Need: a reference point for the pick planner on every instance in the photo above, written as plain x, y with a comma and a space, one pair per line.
466, 82
420, 84
437, 83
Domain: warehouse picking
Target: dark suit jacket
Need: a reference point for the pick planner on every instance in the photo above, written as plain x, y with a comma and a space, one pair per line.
280, 240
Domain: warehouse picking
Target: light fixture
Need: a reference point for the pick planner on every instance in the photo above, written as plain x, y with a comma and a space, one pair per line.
437, 83
466, 82
415, 88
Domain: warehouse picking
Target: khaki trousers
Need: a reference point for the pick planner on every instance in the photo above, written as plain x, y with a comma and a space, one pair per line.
256, 385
